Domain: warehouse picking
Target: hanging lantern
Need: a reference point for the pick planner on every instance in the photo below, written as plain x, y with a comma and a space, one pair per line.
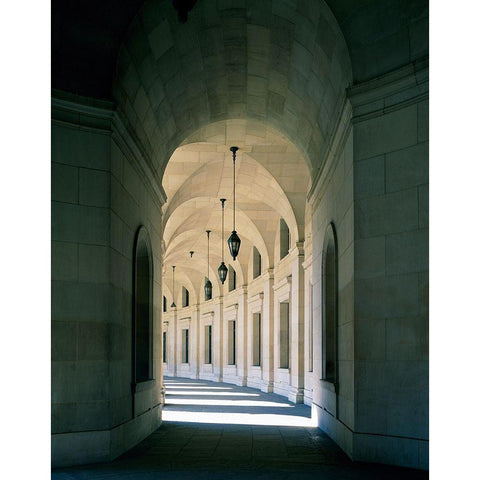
222, 269
208, 283
234, 240
173, 288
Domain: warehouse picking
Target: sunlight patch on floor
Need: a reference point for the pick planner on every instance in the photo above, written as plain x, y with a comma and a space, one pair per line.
168, 384
216, 393
238, 418
226, 403
177, 386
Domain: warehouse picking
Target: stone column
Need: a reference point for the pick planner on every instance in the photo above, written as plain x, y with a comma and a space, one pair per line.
297, 301
242, 332
267, 333
174, 344
198, 331
309, 361
218, 336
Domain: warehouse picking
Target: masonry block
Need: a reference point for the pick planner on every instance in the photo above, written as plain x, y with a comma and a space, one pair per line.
392, 213
64, 183
386, 133
369, 177
391, 296
407, 252
407, 167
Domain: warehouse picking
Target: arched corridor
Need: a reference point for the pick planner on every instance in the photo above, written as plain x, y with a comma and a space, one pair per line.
242, 440
289, 124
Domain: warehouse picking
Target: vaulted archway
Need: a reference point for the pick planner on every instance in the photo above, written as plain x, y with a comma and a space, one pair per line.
149, 146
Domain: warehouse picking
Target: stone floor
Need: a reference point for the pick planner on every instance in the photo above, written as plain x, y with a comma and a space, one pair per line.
220, 431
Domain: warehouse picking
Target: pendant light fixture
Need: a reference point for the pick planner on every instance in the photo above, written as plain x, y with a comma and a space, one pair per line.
234, 240
173, 288
208, 283
222, 269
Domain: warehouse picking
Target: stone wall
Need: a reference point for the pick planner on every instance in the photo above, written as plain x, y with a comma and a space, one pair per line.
98, 202
331, 201
391, 268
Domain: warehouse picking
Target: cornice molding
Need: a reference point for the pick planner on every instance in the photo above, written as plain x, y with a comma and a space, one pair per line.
81, 112
102, 117
133, 150
231, 308
336, 144
287, 281
337, 141
297, 249
308, 262
269, 274
391, 91
255, 298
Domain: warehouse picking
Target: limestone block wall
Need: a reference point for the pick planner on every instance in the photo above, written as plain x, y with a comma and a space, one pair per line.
308, 332
255, 370
391, 268
331, 201
98, 203
80, 326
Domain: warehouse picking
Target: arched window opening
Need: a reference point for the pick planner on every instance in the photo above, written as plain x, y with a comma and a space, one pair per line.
284, 335
164, 303
257, 339
329, 306
185, 345
232, 278
164, 340
284, 239
185, 297
232, 343
208, 344
142, 321
257, 263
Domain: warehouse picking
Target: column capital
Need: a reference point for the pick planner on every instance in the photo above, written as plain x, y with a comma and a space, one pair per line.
297, 249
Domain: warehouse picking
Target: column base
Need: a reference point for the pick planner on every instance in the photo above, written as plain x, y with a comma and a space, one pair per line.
267, 387
295, 395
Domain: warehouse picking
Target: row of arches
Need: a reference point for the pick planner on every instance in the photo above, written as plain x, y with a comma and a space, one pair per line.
143, 315
185, 292
191, 273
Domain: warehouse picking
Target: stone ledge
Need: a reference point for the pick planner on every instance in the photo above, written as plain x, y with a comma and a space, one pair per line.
146, 385
365, 447
330, 386
79, 448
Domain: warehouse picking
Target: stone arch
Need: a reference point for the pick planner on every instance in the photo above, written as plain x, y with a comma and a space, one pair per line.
287, 66
181, 234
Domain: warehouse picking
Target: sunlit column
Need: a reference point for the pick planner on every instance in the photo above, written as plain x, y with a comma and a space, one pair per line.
297, 325
308, 331
173, 341
254, 320
267, 333
242, 331
196, 342
217, 335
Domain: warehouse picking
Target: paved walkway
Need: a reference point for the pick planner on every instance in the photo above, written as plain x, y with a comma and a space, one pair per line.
220, 431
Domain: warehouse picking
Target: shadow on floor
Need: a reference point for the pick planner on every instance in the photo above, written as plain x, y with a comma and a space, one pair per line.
202, 437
